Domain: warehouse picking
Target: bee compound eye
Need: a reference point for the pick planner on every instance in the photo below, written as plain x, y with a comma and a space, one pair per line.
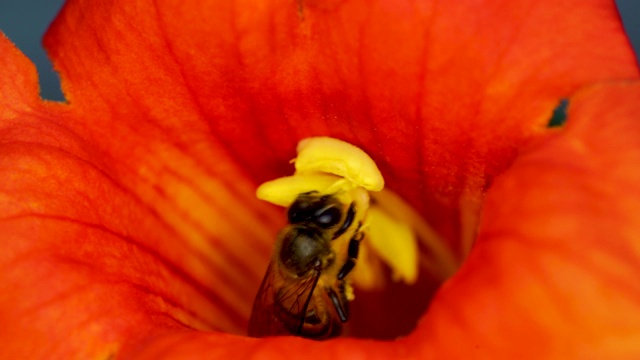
327, 217
299, 212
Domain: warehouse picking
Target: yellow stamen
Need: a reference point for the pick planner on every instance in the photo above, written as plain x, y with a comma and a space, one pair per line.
436, 257
395, 243
283, 191
369, 273
328, 155
470, 206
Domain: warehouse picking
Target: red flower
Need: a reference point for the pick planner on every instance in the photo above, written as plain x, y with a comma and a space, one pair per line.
129, 222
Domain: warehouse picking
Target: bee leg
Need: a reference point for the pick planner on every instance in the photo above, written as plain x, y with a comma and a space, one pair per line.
337, 304
352, 253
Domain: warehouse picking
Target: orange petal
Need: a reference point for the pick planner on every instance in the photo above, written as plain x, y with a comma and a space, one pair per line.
441, 96
98, 252
554, 272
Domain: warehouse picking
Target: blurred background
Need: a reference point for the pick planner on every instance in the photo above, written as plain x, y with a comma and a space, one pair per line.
25, 21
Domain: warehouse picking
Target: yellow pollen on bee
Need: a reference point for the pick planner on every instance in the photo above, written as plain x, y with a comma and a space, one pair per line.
348, 292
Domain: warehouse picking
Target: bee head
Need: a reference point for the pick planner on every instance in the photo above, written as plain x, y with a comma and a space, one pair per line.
324, 211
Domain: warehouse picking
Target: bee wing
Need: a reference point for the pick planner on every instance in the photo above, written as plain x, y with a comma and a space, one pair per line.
281, 304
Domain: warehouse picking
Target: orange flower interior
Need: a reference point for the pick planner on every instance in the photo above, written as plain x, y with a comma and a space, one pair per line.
129, 213
333, 176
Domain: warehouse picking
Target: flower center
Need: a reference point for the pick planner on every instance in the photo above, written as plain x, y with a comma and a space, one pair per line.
337, 204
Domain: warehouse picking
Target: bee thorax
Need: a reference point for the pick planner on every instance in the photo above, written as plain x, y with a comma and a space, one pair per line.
303, 250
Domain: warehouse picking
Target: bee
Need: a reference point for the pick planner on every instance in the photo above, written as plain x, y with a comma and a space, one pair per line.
305, 291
